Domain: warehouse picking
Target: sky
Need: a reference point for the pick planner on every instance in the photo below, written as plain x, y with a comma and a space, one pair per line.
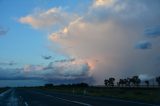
71, 41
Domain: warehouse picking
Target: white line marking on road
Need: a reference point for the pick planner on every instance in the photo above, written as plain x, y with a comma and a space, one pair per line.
81, 103
12, 100
26, 104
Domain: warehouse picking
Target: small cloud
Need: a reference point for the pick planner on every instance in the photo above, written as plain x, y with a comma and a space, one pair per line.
9, 73
47, 57
143, 45
31, 68
65, 60
10, 63
99, 3
152, 31
3, 31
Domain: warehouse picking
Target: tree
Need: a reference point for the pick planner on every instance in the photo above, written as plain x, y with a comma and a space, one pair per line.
48, 85
106, 82
124, 82
147, 83
121, 82
111, 81
158, 80
80, 85
135, 80
128, 83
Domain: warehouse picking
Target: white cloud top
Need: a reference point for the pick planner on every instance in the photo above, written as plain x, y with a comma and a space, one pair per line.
106, 32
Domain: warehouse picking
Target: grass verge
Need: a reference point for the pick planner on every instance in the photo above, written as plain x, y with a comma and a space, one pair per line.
150, 95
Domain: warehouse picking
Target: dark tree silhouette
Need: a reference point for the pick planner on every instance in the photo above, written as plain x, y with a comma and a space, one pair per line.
75, 85
106, 82
124, 82
128, 82
147, 83
121, 82
49, 85
158, 80
135, 80
111, 81
80, 85
118, 85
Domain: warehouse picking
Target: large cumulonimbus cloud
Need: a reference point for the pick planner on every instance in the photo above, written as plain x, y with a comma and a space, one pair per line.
105, 37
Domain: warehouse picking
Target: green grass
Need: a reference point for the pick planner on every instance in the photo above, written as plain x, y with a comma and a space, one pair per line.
148, 95
151, 95
3, 89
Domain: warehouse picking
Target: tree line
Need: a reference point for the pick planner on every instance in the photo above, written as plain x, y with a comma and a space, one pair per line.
67, 85
134, 81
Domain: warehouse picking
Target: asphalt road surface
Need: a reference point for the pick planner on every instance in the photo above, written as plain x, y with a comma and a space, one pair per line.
30, 97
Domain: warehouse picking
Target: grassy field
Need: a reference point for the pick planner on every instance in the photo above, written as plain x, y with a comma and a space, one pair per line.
3, 89
151, 95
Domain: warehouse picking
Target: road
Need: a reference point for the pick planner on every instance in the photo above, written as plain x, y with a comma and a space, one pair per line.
30, 97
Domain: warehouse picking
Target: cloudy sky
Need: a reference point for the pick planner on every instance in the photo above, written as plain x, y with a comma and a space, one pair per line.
68, 41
